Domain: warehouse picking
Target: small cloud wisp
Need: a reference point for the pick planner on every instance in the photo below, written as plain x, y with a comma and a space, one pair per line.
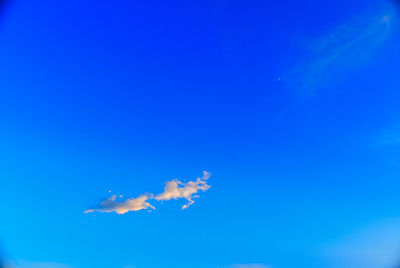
174, 189
342, 51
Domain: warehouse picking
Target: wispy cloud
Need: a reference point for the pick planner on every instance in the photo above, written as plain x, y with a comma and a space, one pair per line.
377, 246
174, 189
344, 49
389, 134
30, 264
387, 138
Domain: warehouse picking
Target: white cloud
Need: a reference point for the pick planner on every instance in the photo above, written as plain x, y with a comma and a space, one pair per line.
121, 207
176, 189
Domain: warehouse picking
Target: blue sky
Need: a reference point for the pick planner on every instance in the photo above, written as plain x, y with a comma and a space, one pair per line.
291, 106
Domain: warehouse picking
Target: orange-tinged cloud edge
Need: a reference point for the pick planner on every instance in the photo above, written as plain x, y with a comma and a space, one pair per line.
174, 189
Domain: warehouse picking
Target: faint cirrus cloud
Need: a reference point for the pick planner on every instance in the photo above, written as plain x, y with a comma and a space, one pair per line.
342, 51
377, 246
389, 135
31, 264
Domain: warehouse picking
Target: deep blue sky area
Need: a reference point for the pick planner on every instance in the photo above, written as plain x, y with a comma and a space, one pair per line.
292, 106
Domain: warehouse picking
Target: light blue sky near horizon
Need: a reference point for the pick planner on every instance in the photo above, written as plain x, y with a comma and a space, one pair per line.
302, 144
